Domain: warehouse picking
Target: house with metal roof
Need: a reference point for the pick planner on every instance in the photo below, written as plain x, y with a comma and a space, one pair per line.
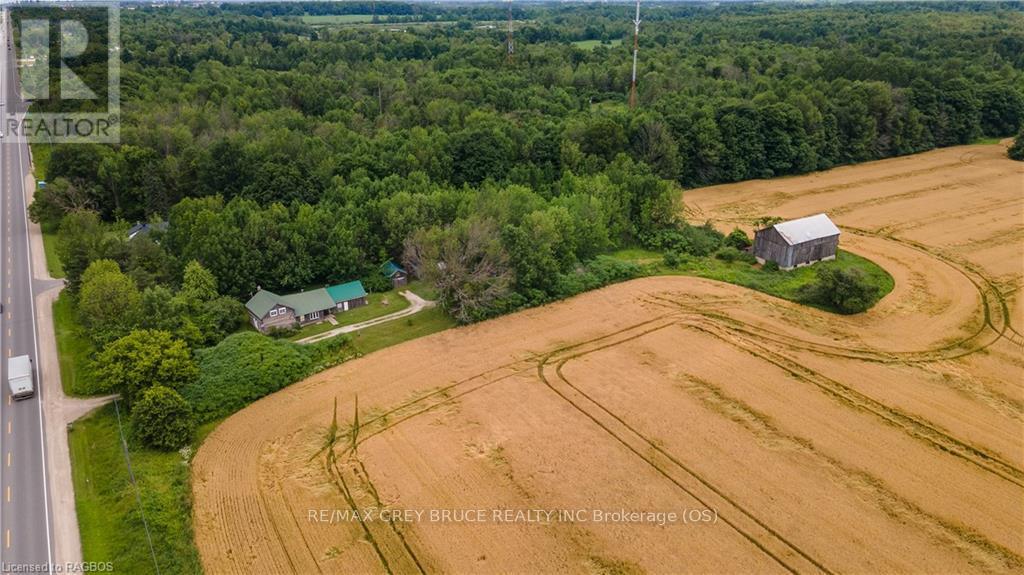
267, 310
348, 295
398, 276
143, 229
798, 242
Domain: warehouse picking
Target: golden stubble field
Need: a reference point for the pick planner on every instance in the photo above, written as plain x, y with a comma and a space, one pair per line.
890, 441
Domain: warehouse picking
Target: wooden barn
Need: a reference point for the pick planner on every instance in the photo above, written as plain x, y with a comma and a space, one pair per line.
797, 242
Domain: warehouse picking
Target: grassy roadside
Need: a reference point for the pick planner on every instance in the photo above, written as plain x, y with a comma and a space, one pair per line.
74, 350
108, 513
40, 165
53, 264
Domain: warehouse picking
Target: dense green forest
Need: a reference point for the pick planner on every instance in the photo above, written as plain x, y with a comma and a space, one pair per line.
284, 154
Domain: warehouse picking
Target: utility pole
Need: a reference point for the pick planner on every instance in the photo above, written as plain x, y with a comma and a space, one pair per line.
509, 44
636, 49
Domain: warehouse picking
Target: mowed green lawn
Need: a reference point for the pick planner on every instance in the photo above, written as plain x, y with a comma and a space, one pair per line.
378, 304
383, 335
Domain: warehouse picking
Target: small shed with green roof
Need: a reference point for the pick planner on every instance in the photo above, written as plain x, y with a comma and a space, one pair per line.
398, 276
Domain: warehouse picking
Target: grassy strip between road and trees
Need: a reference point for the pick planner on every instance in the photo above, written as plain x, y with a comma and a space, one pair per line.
75, 350
108, 512
53, 263
40, 164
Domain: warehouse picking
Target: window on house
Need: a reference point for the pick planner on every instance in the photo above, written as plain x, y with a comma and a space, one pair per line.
282, 310
273, 313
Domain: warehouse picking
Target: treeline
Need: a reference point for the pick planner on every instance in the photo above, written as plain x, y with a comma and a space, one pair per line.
316, 153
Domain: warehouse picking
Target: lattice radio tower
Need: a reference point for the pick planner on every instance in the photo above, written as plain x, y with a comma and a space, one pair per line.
509, 45
636, 49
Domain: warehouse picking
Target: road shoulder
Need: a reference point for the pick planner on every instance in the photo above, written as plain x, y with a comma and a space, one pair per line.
67, 541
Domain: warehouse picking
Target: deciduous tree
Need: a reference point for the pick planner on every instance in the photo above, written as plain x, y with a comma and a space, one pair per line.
143, 359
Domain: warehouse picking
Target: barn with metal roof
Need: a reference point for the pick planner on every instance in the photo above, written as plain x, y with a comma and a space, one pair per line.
798, 242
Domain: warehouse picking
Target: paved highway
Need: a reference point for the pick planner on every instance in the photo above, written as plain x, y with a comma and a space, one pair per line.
25, 520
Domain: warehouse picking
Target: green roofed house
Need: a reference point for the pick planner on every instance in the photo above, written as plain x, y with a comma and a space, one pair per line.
396, 274
268, 310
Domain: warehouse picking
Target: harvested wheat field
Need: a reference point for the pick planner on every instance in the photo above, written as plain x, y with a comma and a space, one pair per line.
783, 437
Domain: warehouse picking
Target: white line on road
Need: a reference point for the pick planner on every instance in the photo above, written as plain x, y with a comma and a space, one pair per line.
39, 367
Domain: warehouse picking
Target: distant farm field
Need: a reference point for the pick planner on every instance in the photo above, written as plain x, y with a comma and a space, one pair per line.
327, 19
591, 44
888, 441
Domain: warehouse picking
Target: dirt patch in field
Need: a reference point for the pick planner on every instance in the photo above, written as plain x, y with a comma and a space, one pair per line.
887, 441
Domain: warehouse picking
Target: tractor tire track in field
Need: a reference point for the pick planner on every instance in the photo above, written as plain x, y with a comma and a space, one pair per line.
757, 532
978, 550
917, 193
987, 288
343, 474
921, 429
998, 319
913, 426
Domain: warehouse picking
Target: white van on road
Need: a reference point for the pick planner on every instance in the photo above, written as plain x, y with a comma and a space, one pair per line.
19, 377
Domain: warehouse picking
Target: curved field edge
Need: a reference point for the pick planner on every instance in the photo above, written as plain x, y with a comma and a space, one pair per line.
786, 285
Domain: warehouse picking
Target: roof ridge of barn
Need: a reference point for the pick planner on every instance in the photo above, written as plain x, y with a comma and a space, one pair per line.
806, 229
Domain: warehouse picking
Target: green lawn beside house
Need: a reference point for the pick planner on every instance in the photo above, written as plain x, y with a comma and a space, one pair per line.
378, 304
422, 289
426, 322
